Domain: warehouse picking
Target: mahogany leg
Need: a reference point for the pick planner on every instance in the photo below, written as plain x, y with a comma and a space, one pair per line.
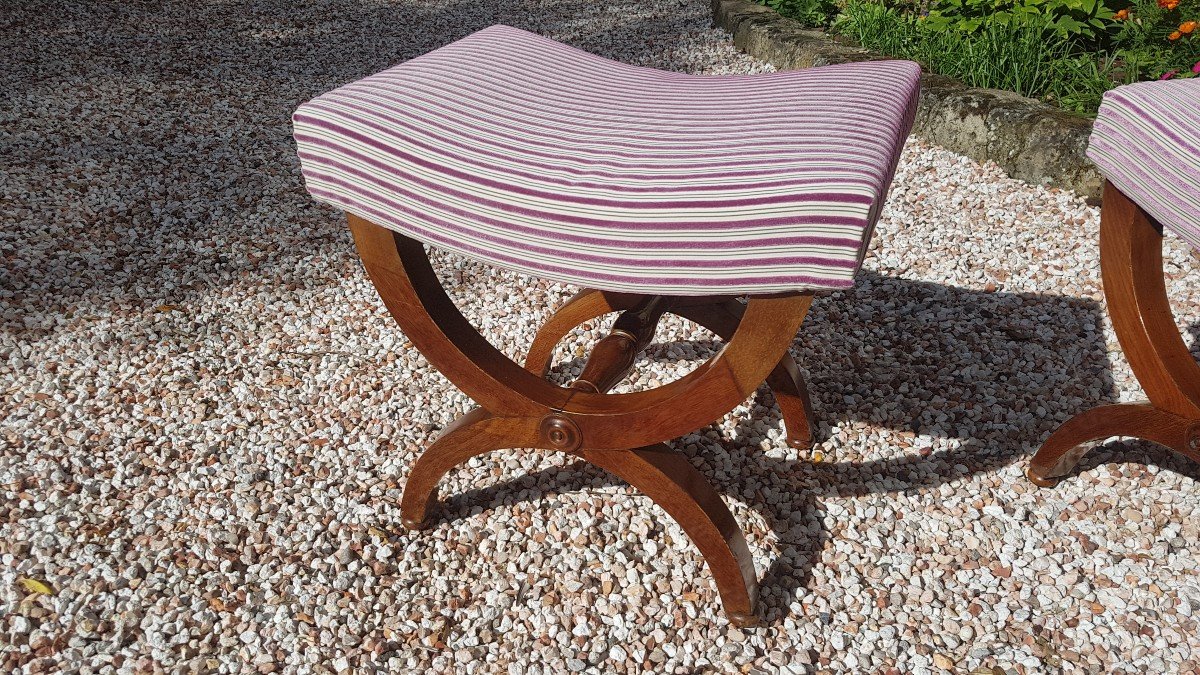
476, 433
795, 406
720, 315
1063, 450
657, 471
675, 485
1136, 295
619, 432
786, 382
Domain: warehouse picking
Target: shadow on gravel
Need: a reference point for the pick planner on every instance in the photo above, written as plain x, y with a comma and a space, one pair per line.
179, 112
982, 373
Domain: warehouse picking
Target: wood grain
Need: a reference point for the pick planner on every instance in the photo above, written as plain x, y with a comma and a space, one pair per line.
623, 433
1136, 295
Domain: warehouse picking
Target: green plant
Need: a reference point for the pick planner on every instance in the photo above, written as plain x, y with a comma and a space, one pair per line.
1163, 35
811, 13
1069, 52
1084, 20
1081, 80
1013, 56
877, 26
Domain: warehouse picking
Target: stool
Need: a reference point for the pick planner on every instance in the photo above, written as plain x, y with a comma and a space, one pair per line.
653, 191
1145, 142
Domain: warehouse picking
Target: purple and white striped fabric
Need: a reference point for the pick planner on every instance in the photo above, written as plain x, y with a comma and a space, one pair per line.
1146, 141
524, 153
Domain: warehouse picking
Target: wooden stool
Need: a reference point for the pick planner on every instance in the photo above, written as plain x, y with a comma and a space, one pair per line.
526, 154
1145, 141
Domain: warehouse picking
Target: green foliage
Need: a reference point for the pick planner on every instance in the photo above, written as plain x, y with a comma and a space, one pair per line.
1081, 80
1013, 56
1069, 52
810, 13
1068, 19
1154, 38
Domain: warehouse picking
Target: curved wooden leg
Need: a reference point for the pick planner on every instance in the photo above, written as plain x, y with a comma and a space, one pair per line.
1063, 450
786, 382
521, 410
674, 484
657, 471
584, 306
1136, 295
475, 433
795, 406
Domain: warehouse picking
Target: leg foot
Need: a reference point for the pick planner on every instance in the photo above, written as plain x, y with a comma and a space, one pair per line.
1065, 447
675, 485
743, 620
475, 433
1039, 481
415, 525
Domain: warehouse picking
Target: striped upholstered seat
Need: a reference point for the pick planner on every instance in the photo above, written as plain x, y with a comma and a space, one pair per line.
516, 150
1146, 141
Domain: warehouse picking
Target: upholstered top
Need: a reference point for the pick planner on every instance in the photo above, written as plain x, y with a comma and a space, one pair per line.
516, 150
1146, 141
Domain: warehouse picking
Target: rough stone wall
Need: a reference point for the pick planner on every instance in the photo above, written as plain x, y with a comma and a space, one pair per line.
1030, 140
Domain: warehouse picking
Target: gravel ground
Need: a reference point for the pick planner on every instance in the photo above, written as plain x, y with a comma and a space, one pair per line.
207, 417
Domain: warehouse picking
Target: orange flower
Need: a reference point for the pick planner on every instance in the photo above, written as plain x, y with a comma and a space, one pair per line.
1168, 4
1174, 36
1187, 27
1121, 15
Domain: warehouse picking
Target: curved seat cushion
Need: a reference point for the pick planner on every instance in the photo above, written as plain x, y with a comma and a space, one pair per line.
1146, 141
516, 150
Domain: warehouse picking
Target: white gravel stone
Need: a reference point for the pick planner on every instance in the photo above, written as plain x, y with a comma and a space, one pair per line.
206, 416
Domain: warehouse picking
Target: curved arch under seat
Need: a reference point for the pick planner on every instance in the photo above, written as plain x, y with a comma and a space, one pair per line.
720, 315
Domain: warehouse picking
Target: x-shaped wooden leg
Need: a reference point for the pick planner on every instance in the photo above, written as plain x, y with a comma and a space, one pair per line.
623, 433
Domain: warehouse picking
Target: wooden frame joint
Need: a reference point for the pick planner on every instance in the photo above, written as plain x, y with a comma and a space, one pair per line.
560, 433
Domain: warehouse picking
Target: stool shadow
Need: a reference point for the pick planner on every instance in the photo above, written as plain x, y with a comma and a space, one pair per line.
971, 381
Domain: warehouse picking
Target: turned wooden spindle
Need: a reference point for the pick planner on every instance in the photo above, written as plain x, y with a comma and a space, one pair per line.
612, 358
